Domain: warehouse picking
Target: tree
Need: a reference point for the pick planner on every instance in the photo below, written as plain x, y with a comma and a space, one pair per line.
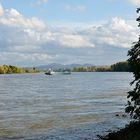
120, 66
2, 71
133, 106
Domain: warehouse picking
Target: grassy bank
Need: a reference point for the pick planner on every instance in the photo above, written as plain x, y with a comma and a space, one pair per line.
130, 132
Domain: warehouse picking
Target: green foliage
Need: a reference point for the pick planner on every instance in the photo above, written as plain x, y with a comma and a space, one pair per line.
84, 69
133, 106
118, 67
121, 66
5, 69
103, 69
2, 70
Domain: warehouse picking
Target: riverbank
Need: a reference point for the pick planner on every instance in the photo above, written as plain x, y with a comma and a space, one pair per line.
130, 132
8, 69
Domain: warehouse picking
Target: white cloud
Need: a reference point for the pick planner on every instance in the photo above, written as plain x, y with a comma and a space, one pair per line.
30, 40
75, 41
14, 13
13, 18
33, 58
1, 10
77, 8
114, 33
119, 24
135, 2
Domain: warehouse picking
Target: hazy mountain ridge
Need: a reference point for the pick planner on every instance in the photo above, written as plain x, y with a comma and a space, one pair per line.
61, 66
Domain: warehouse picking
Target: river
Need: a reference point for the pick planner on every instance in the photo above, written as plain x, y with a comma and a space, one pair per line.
62, 107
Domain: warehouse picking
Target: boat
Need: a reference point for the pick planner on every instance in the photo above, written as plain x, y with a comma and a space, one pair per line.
50, 72
66, 71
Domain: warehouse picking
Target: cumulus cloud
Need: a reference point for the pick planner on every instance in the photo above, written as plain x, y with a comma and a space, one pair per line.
1, 10
31, 40
135, 2
114, 33
119, 24
75, 41
11, 17
24, 58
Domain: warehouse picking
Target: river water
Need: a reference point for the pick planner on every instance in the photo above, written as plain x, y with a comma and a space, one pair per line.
62, 107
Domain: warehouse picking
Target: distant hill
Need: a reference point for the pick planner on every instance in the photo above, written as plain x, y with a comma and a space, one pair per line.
55, 66
118, 67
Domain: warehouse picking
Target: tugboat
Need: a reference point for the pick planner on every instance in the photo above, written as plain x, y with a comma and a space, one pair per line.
66, 71
50, 72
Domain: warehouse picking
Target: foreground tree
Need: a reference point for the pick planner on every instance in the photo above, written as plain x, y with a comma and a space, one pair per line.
133, 106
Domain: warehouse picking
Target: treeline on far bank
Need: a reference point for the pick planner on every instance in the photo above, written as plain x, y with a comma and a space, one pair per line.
8, 69
118, 67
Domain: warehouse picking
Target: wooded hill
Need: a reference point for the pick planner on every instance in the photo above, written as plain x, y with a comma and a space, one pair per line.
118, 67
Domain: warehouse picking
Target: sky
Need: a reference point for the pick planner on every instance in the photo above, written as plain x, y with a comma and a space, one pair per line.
39, 32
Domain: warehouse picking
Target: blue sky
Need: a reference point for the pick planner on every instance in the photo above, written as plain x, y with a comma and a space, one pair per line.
37, 32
